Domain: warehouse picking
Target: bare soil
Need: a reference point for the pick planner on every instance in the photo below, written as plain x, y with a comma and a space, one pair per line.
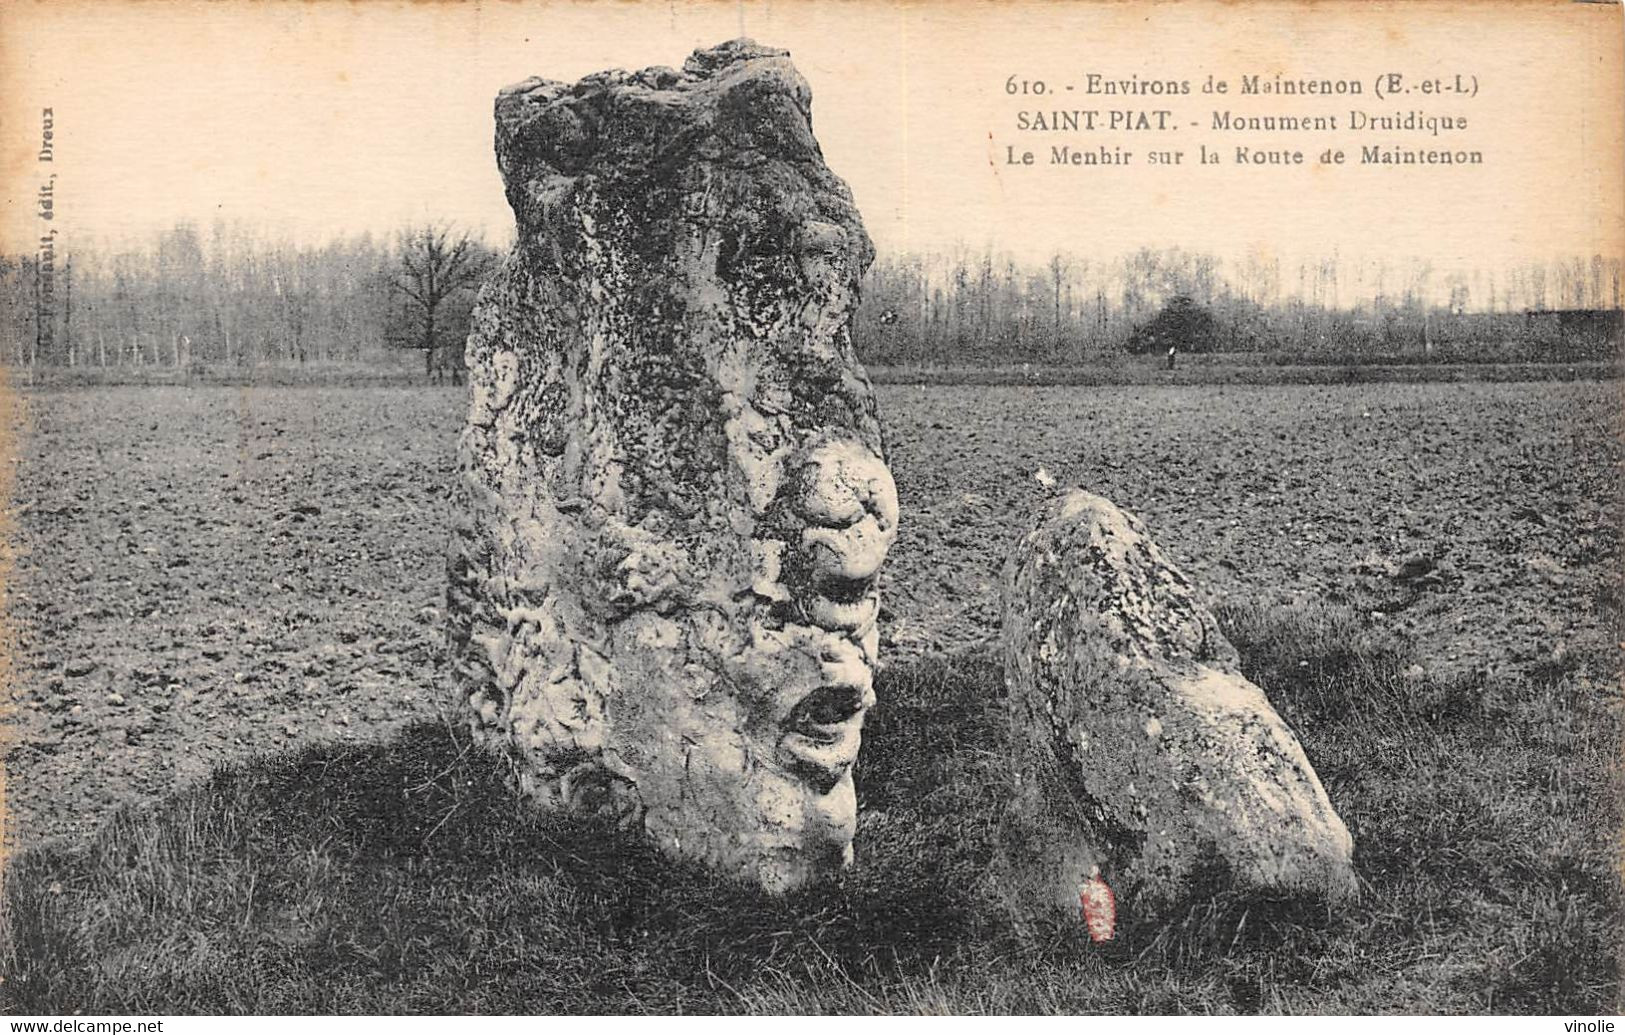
204, 574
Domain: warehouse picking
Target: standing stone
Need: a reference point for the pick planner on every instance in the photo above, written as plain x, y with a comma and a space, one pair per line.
674, 505
1147, 759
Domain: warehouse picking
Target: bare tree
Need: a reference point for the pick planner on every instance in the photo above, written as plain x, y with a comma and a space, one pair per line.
1058, 270
438, 265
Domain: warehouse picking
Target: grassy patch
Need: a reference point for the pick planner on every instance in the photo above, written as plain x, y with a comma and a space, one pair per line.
402, 877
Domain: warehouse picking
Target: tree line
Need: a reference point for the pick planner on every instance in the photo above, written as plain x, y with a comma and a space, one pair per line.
983, 307
231, 299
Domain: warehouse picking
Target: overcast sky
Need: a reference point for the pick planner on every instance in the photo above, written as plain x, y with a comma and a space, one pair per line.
309, 120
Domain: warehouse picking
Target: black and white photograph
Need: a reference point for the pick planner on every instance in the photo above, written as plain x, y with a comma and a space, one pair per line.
573, 507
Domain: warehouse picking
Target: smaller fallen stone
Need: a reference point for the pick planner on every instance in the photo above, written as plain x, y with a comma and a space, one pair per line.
80, 667
115, 699
1145, 760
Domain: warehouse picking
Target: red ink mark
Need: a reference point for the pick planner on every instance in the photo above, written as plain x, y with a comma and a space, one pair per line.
1099, 909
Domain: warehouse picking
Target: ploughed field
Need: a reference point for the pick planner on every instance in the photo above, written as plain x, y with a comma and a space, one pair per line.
201, 575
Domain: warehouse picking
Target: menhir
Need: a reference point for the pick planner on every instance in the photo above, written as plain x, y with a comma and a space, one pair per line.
673, 499
1144, 758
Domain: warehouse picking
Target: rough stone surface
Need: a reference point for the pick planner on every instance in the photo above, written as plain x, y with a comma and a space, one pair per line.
1147, 758
675, 504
